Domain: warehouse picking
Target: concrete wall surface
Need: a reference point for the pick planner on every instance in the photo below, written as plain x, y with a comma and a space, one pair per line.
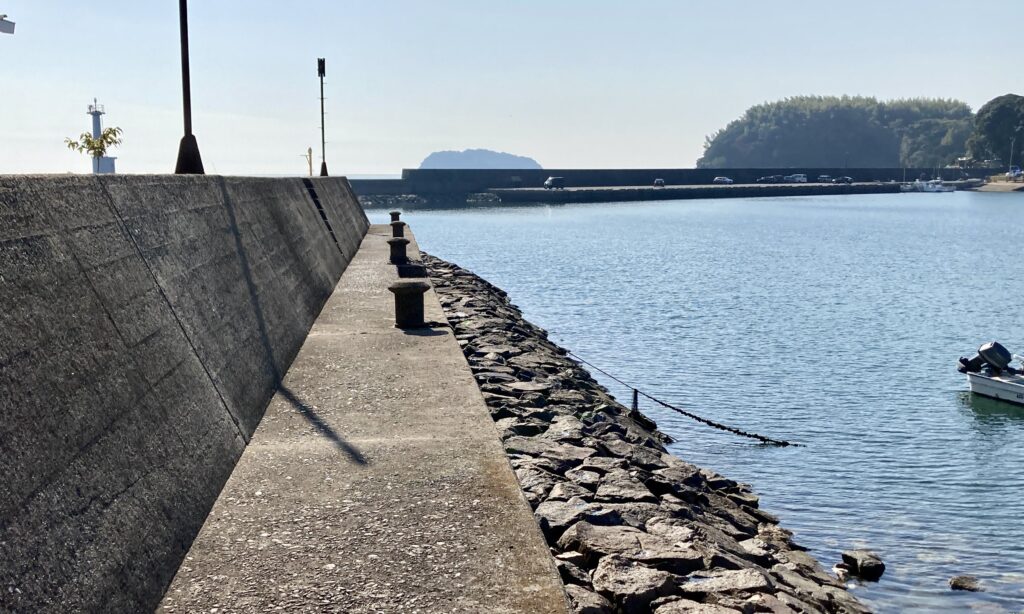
145, 322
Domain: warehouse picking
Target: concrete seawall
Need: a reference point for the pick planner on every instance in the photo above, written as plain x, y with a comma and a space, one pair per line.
145, 323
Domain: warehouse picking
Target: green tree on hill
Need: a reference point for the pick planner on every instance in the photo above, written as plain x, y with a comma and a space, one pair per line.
998, 128
829, 131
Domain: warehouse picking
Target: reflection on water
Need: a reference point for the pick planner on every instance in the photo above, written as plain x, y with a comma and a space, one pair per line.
835, 322
986, 408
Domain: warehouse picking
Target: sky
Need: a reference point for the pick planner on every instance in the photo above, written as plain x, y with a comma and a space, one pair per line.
570, 83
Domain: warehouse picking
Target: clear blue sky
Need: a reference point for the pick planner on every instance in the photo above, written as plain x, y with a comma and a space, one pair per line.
576, 83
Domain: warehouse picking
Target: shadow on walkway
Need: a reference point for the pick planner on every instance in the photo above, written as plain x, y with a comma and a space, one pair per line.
309, 413
305, 410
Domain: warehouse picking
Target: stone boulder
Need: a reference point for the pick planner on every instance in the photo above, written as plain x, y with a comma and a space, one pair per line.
584, 601
864, 564
965, 583
632, 587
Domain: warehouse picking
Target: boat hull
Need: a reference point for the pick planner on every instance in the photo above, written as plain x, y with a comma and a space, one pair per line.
1005, 388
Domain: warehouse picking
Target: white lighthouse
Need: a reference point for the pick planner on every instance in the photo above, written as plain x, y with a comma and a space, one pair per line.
104, 164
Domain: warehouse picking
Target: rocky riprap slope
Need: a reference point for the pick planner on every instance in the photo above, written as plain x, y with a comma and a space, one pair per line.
632, 528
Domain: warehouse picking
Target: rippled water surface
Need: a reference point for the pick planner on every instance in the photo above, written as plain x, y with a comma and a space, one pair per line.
832, 321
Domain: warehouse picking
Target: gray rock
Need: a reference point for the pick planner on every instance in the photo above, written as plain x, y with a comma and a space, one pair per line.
535, 482
534, 386
603, 464
563, 455
685, 474
584, 601
766, 602
565, 429
808, 566
729, 581
595, 542
864, 564
572, 573
585, 478
631, 586
744, 499
493, 377
554, 517
673, 529
504, 351
675, 557
514, 426
567, 456
685, 606
965, 583
526, 445
616, 447
635, 514
563, 491
757, 550
789, 576
618, 485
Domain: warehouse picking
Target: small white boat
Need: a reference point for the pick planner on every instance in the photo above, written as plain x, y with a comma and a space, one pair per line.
935, 185
989, 374
1004, 387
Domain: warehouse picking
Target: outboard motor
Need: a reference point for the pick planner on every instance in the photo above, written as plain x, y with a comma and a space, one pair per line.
991, 356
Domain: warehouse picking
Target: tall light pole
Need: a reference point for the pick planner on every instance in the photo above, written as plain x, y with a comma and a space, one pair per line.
189, 161
321, 71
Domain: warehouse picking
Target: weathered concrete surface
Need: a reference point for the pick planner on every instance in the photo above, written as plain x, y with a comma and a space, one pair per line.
143, 323
376, 481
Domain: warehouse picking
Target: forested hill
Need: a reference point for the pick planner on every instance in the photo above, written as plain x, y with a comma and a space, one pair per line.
828, 131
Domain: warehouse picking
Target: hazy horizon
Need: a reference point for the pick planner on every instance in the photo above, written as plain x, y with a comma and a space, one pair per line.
573, 85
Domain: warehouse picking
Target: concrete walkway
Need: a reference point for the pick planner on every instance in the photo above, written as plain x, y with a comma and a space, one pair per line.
375, 482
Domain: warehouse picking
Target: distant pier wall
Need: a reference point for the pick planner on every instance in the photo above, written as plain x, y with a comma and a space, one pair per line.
145, 322
429, 182
609, 195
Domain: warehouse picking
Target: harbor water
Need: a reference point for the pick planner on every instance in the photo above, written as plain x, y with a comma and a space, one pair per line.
831, 321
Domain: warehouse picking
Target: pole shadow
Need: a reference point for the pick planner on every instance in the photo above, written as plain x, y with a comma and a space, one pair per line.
274, 371
308, 412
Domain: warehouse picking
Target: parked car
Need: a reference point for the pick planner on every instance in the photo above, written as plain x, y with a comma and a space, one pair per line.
770, 179
824, 178
843, 180
659, 183
795, 178
722, 180
554, 183
1014, 174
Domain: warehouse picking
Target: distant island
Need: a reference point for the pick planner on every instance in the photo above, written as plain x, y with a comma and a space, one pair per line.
478, 158
853, 131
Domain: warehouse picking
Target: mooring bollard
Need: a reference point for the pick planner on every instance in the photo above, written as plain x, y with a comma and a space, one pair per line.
397, 229
409, 303
397, 245
394, 215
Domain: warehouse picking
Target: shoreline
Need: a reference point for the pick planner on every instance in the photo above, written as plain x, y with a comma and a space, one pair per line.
631, 527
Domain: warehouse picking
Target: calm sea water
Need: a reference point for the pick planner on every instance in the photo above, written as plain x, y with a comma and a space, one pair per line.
835, 322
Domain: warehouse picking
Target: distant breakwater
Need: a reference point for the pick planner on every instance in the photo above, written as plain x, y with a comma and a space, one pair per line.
630, 194
632, 528
452, 183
